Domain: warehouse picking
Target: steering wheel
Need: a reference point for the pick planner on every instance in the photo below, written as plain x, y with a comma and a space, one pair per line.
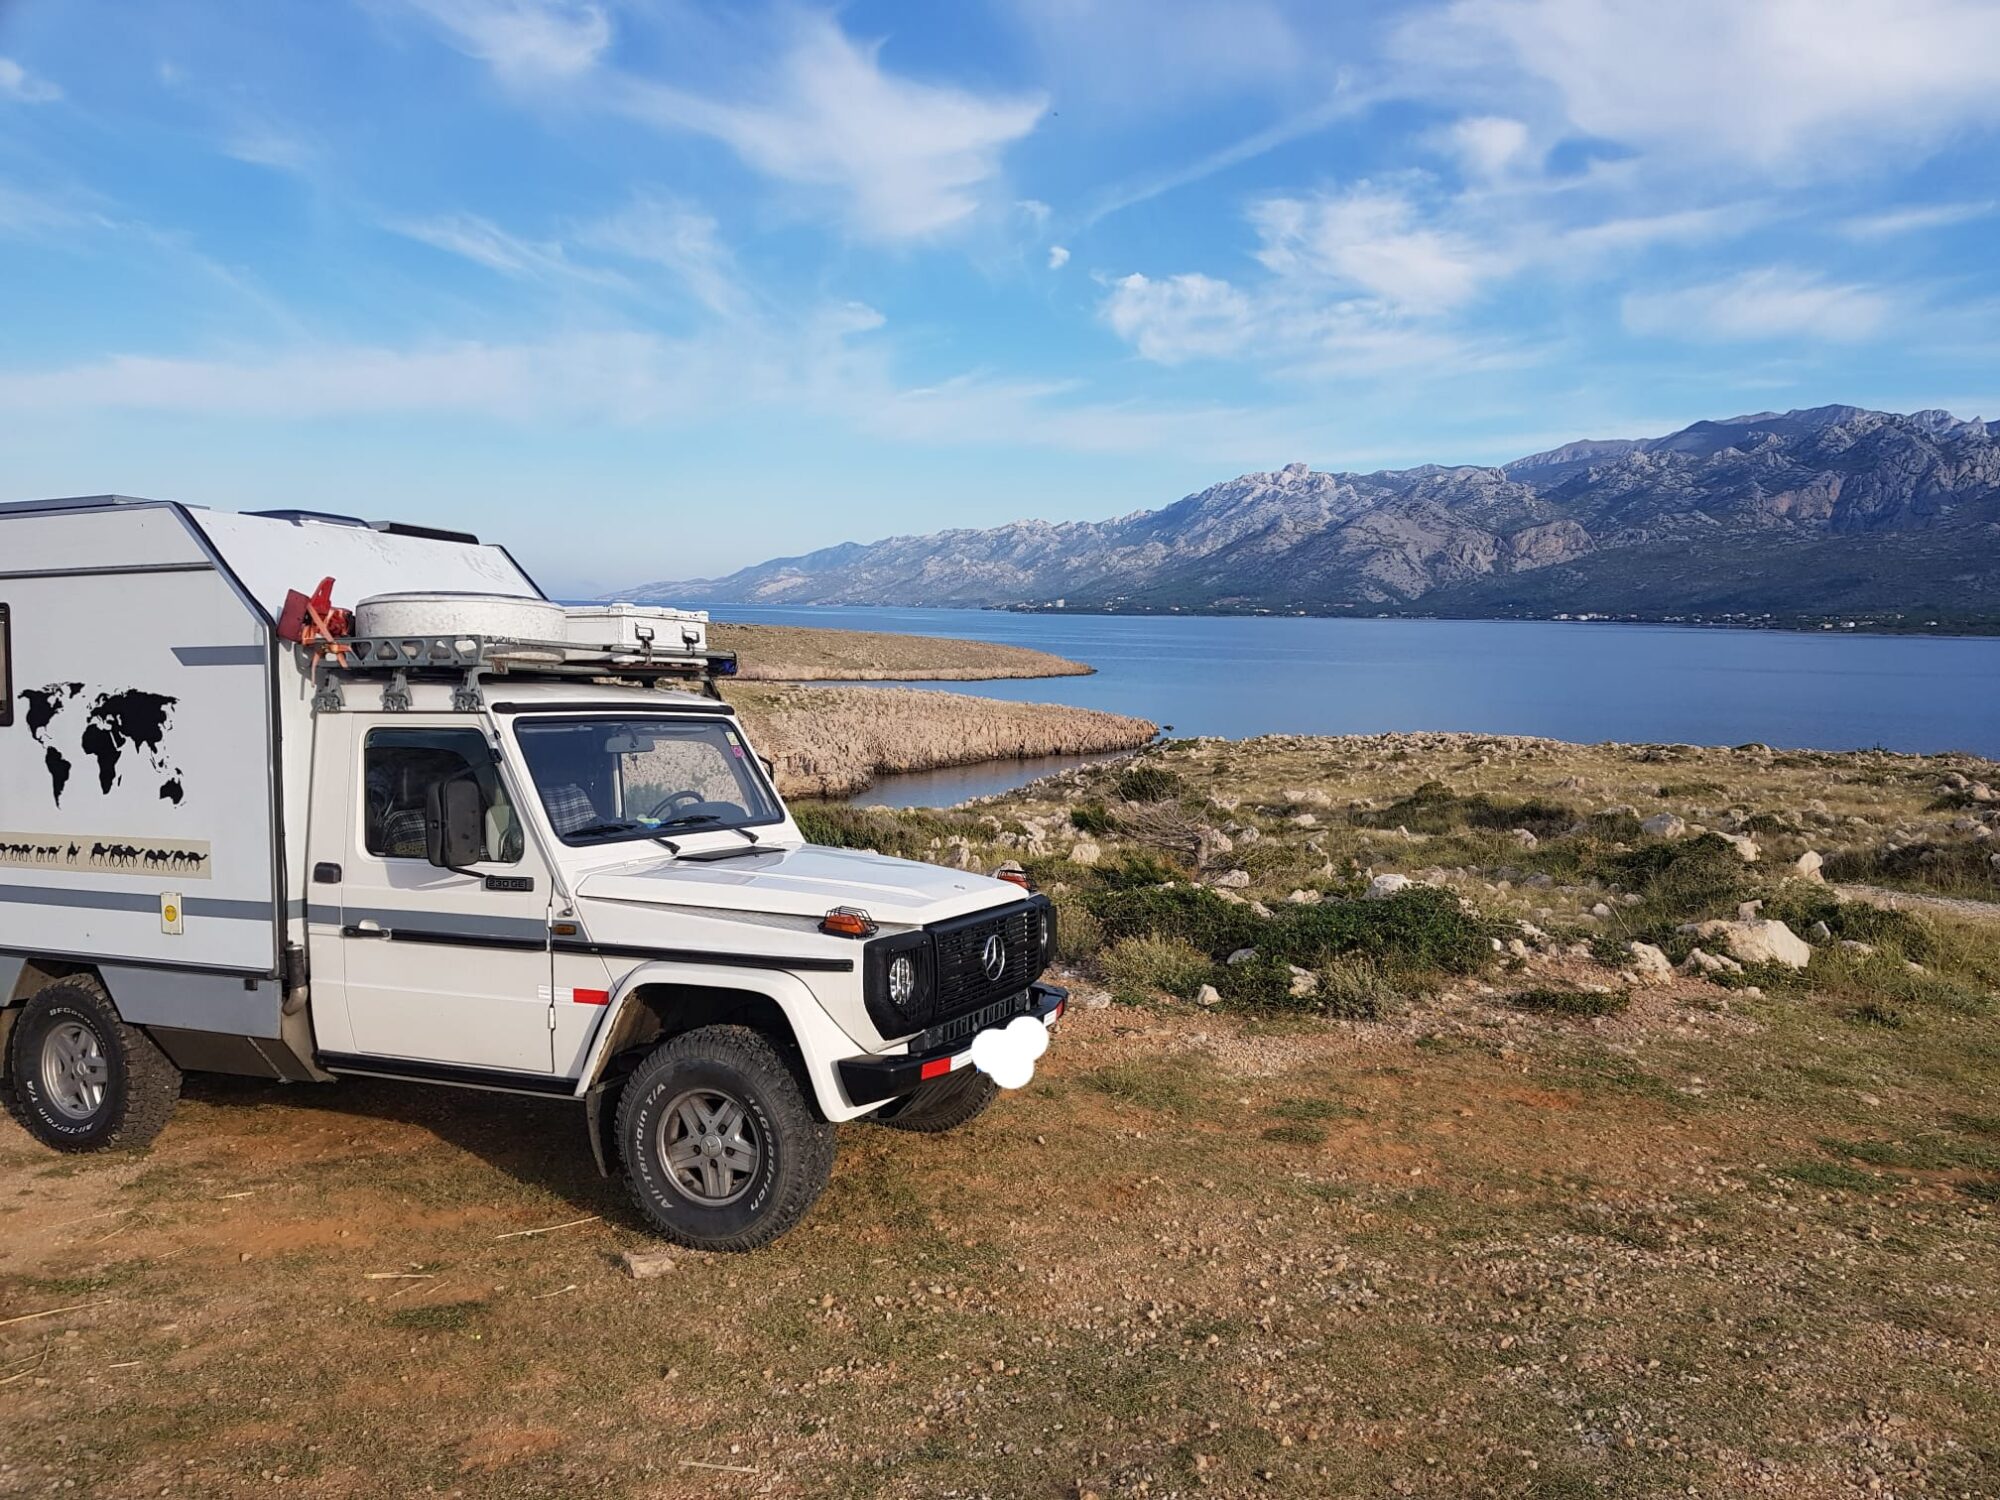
671, 801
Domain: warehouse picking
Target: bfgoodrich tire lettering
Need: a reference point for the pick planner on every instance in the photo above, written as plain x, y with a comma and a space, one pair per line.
789, 1152
942, 1104
132, 1087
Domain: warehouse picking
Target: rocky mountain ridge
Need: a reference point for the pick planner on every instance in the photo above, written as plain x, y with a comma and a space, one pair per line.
1819, 511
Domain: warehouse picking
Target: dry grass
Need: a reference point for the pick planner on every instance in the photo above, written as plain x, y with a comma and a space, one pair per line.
799, 653
1491, 1254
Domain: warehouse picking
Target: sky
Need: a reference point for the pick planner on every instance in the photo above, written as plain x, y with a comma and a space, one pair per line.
650, 289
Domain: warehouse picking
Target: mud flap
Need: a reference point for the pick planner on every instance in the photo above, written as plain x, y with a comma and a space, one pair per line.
600, 1113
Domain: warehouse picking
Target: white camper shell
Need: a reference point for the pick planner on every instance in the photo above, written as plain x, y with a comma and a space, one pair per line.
453, 834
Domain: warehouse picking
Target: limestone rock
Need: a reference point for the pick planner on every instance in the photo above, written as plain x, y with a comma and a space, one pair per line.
1231, 880
1304, 982
1664, 826
1648, 962
1208, 994
1384, 886
1085, 853
1240, 956
1807, 866
1745, 847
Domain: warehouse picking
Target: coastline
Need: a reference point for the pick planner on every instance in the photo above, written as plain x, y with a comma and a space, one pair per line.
834, 741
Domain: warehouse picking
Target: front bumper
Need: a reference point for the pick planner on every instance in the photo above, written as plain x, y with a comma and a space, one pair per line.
870, 1080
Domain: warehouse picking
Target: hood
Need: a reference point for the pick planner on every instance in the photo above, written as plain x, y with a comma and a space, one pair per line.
804, 881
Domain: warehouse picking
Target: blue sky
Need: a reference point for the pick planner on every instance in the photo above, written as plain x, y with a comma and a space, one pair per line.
651, 289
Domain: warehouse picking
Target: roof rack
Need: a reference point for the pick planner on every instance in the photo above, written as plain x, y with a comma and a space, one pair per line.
470, 658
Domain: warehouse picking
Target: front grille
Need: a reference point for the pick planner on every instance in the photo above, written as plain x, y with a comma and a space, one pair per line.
950, 959
961, 978
964, 1028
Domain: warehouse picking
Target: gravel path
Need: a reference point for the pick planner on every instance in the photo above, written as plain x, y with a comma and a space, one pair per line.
1951, 906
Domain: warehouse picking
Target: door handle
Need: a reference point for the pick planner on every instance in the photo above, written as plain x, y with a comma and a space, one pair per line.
367, 929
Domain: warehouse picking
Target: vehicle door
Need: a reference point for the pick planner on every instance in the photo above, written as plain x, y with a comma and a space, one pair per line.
442, 966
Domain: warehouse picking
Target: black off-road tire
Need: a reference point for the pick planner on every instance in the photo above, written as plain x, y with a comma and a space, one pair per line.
140, 1085
794, 1148
942, 1104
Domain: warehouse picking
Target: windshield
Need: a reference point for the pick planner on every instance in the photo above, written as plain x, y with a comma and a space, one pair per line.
603, 780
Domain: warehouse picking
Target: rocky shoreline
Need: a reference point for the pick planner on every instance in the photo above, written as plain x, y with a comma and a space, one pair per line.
803, 653
834, 742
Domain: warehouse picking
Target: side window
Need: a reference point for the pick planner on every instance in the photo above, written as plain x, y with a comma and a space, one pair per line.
400, 766
6, 667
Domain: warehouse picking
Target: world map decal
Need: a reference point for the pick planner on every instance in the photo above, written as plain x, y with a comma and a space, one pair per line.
115, 725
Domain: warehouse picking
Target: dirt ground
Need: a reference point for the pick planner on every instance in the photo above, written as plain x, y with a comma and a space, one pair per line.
1711, 1246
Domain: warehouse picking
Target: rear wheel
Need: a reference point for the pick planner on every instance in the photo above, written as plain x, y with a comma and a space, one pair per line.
942, 1104
721, 1150
80, 1079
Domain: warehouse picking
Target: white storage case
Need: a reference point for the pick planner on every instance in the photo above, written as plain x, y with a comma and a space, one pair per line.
630, 628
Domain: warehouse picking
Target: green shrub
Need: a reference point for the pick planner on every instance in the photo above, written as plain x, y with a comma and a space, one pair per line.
1138, 868
1143, 783
1092, 818
1433, 808
1357, 989
1951, 865
1422, 927
1575, 1004
1263, 983
1681, 879
1135, 966
1613, 827
907, 835
1799, 906
1192, 913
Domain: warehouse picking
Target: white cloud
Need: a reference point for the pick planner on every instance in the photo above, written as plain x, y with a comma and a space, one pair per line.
819, 365
1916, 219
908, 158
486, 244
1058, 257
1182, 317
1776, 302
1488, 145
18, 84
1372, 240
1284, 327
523, 40
679, 239
1036, 211
1775, 84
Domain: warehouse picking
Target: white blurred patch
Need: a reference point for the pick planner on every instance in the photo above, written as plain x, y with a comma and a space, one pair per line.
1007, 1053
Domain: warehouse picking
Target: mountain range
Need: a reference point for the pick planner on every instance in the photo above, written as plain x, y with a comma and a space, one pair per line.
1803, 514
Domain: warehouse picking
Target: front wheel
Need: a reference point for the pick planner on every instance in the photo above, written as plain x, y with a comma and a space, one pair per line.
721, 1150
80, 1079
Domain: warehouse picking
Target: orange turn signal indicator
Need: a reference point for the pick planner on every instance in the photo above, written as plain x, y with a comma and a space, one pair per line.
847, 921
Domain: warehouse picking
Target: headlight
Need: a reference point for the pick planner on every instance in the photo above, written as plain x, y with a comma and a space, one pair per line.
896, 975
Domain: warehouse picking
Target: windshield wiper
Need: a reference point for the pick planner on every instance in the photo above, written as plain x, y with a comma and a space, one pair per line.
690, 820
599, 830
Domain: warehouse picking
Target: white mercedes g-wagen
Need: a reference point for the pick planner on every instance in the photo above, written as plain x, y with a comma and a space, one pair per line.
457, 835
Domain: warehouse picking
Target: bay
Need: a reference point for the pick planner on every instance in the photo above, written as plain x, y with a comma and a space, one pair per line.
1588, 681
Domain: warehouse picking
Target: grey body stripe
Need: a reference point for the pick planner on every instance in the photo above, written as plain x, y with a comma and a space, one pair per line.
194, 906
100, 572
219, 656
437, 921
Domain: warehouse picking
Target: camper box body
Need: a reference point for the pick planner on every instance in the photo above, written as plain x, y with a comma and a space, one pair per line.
155, 752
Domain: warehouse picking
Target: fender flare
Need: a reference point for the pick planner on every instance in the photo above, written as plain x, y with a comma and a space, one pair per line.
820, 1041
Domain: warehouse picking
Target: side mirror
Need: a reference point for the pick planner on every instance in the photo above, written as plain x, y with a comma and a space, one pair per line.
455, 823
